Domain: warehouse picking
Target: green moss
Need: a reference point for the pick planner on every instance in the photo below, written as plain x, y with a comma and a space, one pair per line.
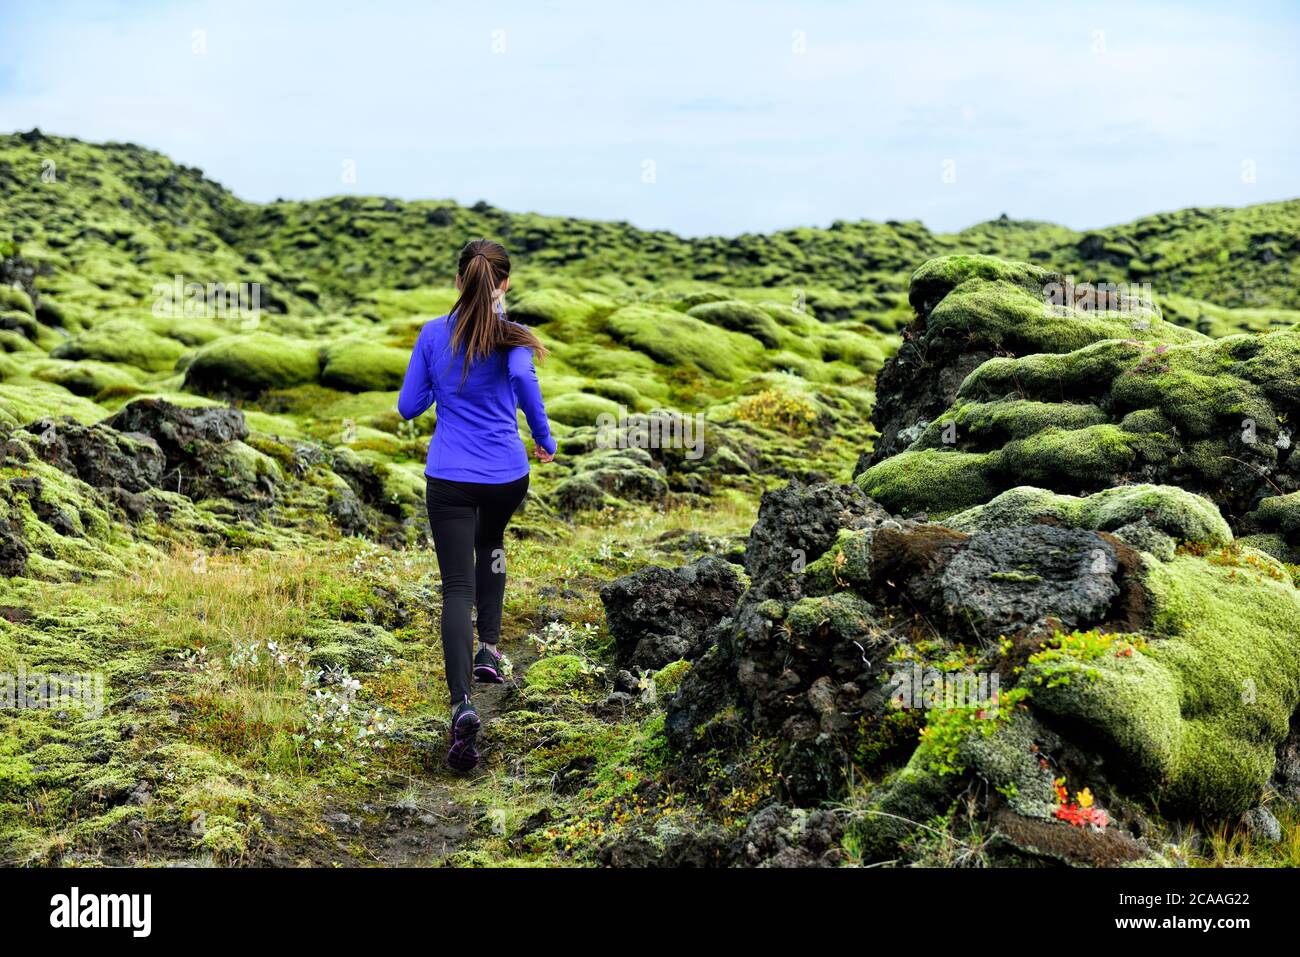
14, 298
1006, 316
989, 424
1280, 513
358, 366
843, 614
846, 564
1010, 760
743, 317
1179, 409
558, 674
23, 402
1084, 374
621, 393
223, 838
23, 324
1197, 717
1178, 513
932, 481
852, 348
540, 307
253, 363
1273, 545
669, 678
358, 646
677, 340
1145, 420
579, 408
1057, 457
88, 378
937, 277
15, 777
123, 341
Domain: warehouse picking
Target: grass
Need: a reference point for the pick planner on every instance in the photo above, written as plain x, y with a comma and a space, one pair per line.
219, 737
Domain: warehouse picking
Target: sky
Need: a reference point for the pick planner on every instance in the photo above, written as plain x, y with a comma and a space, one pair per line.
701, 117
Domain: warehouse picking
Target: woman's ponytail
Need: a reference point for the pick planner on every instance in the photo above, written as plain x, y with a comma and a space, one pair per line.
479, 315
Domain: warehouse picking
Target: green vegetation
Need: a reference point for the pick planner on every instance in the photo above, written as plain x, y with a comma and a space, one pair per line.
262, 602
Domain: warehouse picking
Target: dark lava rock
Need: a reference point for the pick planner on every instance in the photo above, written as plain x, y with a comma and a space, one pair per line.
13, 551
779, 836
1286, 772
707, 846
798, 522
176, 430
626, 682
800, 680
346, 509
1011, 579
709, 689
1034, 841
99, 455
195, 443
658, 615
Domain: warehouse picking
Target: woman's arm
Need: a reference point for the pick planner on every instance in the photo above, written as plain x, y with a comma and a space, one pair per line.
417, 385
528, 395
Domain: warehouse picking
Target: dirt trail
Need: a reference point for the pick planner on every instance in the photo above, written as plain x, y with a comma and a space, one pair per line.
424, 823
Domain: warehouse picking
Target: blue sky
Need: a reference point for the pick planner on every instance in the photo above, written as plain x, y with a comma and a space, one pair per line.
754, 115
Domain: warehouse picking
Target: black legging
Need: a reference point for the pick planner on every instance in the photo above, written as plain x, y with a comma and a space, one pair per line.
468, 521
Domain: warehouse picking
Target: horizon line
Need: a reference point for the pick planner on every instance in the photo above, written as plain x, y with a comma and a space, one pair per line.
624, 222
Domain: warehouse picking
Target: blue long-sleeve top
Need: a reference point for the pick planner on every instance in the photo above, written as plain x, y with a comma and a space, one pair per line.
477, 435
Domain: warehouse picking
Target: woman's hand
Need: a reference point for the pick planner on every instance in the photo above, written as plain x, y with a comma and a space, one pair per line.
542, 454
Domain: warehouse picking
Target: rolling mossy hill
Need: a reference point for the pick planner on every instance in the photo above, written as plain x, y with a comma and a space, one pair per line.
1081, 401
994, 451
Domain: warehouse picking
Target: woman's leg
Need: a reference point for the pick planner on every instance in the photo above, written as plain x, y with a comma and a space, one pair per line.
451, 520
496, 504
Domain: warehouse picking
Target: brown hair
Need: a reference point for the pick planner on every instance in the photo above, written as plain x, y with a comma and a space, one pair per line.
481, 327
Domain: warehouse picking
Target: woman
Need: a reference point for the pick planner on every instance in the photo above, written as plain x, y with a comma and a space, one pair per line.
477, 366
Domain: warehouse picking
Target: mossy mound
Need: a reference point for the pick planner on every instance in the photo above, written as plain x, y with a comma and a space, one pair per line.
253, 363
123, 341
1177, 513
579, 408
1207, 416
1197, 715
556, 675
354, 646
88, 378
359, 366
742, 317
678, 340
1275, 525
934, 279
972, 308
609, 476
52, 525
1011, 318
13, 298
551, 307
